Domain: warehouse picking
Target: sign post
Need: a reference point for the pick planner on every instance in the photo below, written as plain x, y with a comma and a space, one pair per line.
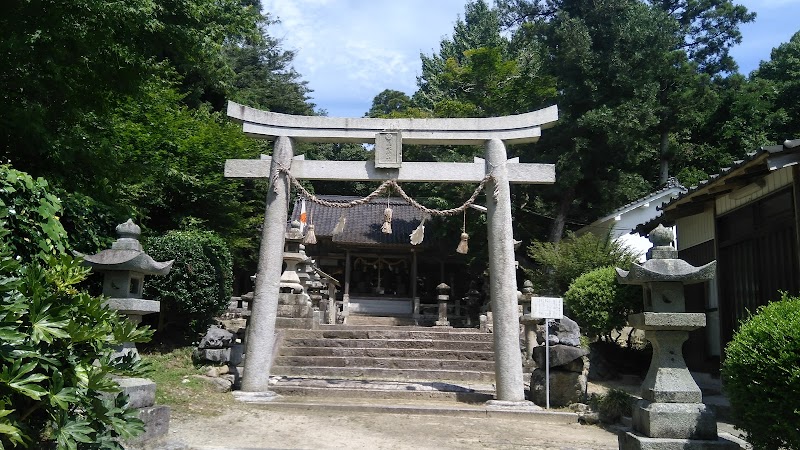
547, 308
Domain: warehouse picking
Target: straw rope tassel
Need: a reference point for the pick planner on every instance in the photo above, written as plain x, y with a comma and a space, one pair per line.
463, 246
387, 218
387, 221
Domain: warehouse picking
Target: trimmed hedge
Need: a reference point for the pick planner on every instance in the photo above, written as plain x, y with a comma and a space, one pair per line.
761, 375
599, 304
199, 286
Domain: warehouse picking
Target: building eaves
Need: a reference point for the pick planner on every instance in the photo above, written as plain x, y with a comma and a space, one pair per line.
671, 185
755, 165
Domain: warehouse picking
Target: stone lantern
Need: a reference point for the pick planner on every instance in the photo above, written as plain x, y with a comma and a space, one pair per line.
670, 414
528, 321
293, 254
124, 267
443, 297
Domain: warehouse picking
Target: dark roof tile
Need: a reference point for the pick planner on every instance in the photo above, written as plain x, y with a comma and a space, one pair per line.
363, 221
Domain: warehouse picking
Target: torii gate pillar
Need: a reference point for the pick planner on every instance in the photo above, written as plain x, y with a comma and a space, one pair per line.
264, 312
503, 278
493, 133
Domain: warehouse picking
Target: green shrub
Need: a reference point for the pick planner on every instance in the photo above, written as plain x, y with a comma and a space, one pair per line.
761, 374
56, 342
612, 405
31, 212
199, 286
559, 264
599, 304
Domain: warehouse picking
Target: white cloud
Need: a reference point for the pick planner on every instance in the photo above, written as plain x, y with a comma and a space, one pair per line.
350, 50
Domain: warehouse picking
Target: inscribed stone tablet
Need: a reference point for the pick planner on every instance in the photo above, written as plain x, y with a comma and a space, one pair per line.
388, 150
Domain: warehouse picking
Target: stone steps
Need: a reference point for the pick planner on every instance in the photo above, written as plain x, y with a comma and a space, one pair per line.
396, 333
373, 321
379, 373
352, 327
385, 363
389, 390
372, 352
379, 353
474, 346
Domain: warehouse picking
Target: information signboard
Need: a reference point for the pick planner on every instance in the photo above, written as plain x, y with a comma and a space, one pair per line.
547, 307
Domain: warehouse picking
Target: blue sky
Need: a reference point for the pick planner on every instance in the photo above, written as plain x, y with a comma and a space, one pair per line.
350, 50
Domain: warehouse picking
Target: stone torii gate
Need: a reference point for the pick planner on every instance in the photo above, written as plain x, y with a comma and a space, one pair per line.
389, 135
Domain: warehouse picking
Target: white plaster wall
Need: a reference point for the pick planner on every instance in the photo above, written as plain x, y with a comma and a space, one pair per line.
639, 244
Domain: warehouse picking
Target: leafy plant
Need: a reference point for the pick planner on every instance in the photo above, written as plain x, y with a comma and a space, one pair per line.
56, 342
599, 304
761, 374
558, 264
32, 212
198, 287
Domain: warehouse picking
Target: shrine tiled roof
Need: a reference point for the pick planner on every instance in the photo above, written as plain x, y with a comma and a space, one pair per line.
364, 222
755, 164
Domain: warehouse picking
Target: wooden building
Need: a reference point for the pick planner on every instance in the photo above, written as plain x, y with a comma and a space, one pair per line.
382, 273
745, 218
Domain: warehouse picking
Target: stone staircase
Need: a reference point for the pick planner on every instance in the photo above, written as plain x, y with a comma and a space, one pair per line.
385, 361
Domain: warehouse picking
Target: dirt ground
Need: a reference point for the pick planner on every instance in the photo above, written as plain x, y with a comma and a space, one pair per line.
257, 427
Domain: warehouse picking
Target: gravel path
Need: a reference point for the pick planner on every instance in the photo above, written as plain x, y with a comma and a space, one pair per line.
257, 427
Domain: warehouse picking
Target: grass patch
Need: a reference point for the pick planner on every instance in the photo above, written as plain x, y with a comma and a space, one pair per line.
612, 405
180, 385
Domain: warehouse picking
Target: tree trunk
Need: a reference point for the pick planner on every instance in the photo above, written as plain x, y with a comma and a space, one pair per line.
560, 220
665, 158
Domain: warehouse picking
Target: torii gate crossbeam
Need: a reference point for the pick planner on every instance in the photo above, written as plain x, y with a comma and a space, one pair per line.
490, 132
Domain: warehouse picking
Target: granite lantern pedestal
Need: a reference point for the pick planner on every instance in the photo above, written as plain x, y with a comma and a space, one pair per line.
670, 414
124, 267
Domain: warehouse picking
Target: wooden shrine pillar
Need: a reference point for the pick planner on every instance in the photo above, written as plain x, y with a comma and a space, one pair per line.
347, 274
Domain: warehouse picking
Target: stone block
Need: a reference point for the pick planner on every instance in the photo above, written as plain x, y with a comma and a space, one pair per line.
564, 331
670, 385
559, 355
156, 424
579, 365
565, 387
216, 338
219, 384
135, 306
296, 311
217, 355
293, 299
141, 391
674, 420
237, 355
630, 440
670, 321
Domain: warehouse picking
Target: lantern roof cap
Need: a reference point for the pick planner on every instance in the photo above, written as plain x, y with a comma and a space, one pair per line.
126, 253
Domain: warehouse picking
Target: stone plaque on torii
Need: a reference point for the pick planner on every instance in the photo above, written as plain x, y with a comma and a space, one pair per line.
388, 135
